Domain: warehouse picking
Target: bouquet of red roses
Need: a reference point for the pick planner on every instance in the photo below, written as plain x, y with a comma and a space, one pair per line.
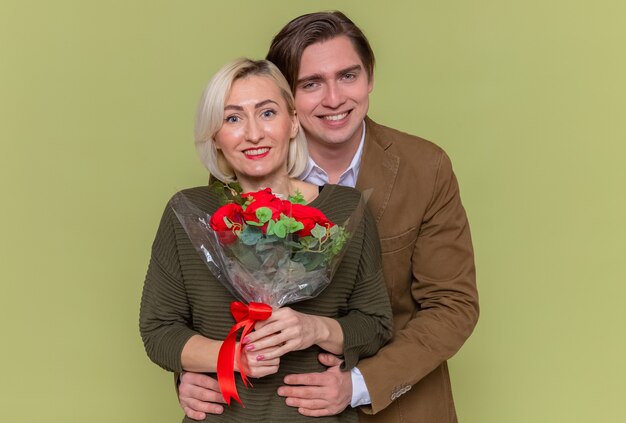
265, 249
277, 251
268, 252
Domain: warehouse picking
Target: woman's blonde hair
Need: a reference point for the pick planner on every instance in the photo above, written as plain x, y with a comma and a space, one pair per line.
210, 117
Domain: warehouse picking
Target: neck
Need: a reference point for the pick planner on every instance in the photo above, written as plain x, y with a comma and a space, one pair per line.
283, 186
333, 158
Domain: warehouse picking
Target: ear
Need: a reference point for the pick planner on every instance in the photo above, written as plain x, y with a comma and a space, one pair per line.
295, 125
370, 84
215, 143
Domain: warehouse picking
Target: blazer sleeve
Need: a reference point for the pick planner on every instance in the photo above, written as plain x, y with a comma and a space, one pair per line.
368, 323
443, 287
165, 316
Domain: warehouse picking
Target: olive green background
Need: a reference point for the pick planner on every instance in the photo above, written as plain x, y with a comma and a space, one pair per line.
97, 101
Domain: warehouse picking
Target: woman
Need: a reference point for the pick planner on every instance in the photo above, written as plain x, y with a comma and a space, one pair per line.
247, 131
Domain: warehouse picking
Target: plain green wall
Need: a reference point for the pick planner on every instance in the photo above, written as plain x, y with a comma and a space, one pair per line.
528, 97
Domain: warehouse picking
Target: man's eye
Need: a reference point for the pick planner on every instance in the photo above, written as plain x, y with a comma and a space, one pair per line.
349, 76
308, 85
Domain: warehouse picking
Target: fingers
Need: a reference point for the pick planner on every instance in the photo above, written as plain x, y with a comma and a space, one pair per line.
307, 379
199, 395
313, 401
280, 320
309, 404
195, 415
268, 328
329, 360
289, 331
257, 365
267, 343
306, 392
198, 379
318, 394
319, 412
198, 410
313, 408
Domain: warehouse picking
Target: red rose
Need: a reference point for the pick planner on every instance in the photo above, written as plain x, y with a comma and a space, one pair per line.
263, 198
309, 216
234, 214
263, 195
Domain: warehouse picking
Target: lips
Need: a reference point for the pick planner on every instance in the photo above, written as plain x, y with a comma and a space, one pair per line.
256, 153
334, 118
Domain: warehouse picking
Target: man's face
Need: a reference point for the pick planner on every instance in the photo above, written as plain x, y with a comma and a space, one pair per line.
332, 92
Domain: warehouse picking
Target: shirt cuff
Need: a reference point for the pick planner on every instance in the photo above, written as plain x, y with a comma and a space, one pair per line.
360, 394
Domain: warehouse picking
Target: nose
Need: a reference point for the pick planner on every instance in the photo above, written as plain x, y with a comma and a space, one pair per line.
254, 131
333, 96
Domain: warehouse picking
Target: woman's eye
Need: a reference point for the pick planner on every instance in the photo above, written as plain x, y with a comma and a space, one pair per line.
268, 113
232, 119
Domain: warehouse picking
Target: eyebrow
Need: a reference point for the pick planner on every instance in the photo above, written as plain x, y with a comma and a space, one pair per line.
317, 76
256, 106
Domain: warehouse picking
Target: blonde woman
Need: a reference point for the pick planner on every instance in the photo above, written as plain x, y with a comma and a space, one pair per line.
247, 131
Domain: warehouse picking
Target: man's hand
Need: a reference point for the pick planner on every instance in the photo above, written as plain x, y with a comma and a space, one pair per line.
199, 395
319, 394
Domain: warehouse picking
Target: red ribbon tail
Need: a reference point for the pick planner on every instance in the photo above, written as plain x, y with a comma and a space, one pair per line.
230, 351
226, 368
242, 369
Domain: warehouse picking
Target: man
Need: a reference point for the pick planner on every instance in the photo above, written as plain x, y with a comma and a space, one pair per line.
425, 239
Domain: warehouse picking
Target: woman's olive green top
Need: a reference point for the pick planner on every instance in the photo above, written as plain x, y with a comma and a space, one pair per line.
182, 298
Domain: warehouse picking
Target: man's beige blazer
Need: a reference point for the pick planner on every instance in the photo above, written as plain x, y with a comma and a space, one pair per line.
429, 271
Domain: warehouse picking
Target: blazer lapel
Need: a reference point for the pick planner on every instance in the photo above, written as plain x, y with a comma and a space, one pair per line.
378, 169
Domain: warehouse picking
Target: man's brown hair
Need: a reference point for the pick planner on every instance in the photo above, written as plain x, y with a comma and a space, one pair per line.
287, 46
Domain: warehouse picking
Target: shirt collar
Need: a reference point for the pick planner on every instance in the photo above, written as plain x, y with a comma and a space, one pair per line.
316, 175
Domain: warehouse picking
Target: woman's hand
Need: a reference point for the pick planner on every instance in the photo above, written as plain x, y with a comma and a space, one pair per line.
288, 330
259, 363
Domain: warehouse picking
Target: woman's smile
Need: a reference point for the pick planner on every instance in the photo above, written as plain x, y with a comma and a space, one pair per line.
256, 153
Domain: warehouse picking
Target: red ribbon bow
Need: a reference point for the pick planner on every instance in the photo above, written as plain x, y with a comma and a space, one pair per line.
245, 316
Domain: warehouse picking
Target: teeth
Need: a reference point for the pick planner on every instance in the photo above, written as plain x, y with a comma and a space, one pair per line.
256, 151
336, 117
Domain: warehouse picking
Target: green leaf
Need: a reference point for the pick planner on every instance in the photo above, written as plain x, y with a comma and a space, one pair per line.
294, 245
270, 227
279, 229
250, 235
264, 214
297, 198
227, 193
246, 256
316, 261
308, 242
310, 260
263, 245
318, 231
291, 224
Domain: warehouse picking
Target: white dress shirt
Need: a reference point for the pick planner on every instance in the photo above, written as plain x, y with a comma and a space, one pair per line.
316, 175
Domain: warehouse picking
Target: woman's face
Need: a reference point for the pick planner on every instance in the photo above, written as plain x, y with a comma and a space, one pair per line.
257, 129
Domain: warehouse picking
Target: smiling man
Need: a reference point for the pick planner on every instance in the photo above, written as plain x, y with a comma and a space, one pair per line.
332, 90
428, 259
